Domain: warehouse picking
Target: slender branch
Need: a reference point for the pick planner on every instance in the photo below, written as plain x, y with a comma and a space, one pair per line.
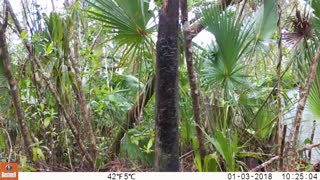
265, 164
312, 137
195, 93
186, 154
308, 147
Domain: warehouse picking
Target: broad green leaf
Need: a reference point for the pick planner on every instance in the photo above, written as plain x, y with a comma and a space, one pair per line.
47, 121
226, 147
265, 21
150, 143
211, 163
34, 154
49, 48
40, 154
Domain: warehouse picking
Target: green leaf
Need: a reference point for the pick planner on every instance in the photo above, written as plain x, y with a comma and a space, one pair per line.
42, 107
232, 39
34, 154
2, 140
211, 163
37, 154
226, 147
40, 154
197, 157
313, 102
316, 7
150, 143
24, 35
265, 21
129, 21
49, 48
47, 121
23, 161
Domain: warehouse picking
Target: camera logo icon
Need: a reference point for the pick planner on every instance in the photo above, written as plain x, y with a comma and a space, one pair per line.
8, 167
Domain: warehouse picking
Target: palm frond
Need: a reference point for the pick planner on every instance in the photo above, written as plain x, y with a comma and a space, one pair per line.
314, 97
232, 40
230, 35
315, 4
265, 21
128, 20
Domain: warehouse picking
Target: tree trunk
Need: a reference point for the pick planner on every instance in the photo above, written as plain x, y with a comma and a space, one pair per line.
279, 107
167, 92
195, 93
294, 133
14, 88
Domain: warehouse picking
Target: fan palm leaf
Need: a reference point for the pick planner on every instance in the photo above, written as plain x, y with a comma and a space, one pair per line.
128, 21
265, 21
232, 40
314, 96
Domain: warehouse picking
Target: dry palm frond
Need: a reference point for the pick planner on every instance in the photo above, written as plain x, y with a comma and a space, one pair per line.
302, 29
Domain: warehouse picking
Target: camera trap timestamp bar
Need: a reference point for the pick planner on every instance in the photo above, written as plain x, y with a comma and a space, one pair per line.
168, 176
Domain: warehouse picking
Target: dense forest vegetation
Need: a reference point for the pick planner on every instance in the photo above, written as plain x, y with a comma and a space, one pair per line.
166, 85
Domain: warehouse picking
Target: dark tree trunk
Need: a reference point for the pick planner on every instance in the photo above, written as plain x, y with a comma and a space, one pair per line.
167, 132
14, 88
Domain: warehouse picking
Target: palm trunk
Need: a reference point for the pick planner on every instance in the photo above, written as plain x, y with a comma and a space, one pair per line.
195, 93
14, 88
167, 92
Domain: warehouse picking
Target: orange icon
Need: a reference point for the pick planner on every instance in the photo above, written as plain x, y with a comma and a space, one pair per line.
8, 171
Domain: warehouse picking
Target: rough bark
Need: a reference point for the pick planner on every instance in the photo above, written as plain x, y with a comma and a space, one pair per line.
279, 107
195, 93
167, 92
294, 133
14, 88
